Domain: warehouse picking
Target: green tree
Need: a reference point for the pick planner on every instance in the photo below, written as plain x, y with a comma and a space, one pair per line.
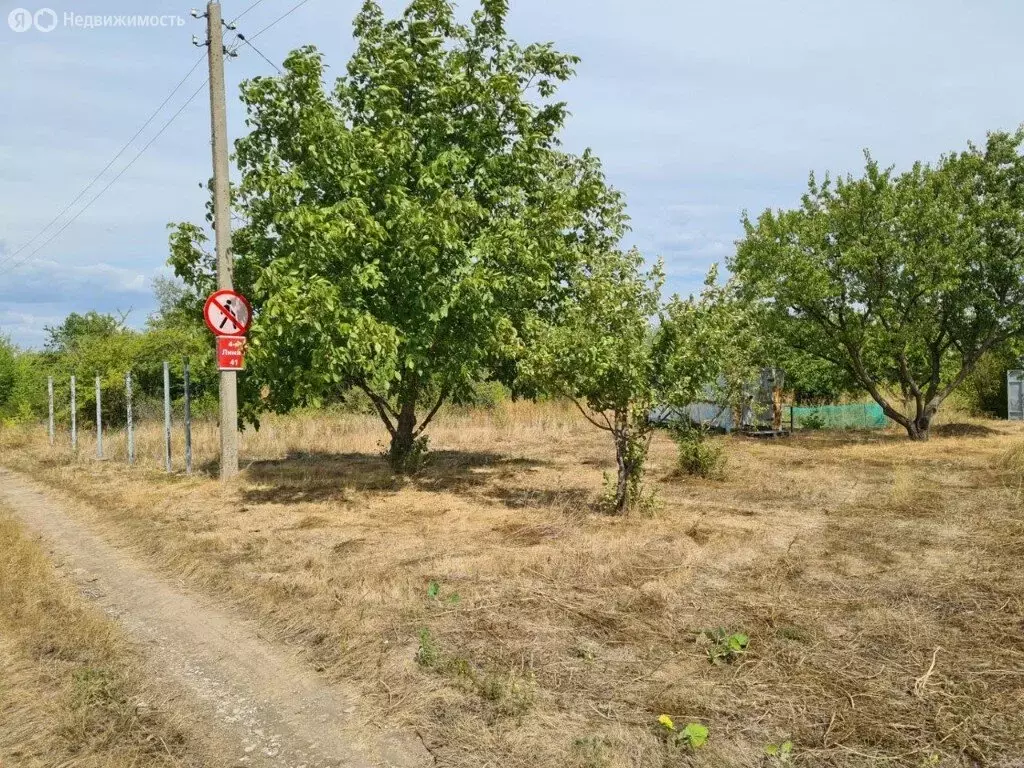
8, 372
402, 226
96, 344
903, 280
602, 353
77, 328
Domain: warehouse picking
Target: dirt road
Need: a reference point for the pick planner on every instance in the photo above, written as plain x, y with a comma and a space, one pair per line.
256, 698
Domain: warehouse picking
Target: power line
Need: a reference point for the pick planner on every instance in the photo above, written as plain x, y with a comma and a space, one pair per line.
248, 40
11, 256
279, 20
245, 40
111, 183
243, 13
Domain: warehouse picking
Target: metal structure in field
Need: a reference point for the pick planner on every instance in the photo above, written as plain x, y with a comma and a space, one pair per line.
1015, 395
755, 405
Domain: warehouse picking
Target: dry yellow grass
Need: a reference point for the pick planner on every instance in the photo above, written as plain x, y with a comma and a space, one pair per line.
879, 581
71, 691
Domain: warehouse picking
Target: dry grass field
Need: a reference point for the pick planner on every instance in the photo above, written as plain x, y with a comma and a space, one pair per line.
485, 604
71, 690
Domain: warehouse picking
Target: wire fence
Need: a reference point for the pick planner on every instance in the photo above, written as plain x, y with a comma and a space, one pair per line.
128, 404
857, 416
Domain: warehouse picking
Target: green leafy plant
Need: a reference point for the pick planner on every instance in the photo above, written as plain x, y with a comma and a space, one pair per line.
813, 420
779, 754
697, 456
693, 735
434, 593
429, 652
726, 647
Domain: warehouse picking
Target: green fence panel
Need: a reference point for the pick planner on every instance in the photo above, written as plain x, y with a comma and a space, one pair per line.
863, 416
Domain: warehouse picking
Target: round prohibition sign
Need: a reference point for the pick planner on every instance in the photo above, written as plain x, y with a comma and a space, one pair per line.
228, 313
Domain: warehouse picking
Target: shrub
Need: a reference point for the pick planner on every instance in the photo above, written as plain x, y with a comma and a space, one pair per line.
813, 420
698, 456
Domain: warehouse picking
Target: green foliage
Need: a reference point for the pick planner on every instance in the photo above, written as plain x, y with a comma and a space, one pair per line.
22, 384
488, 394
779, 754
697, 456
984, 391
598, 352
602, 352
693, 735
77, 329
429, 652
813, 421
726, 647
434, 593
403, 225
905, 281
93, 344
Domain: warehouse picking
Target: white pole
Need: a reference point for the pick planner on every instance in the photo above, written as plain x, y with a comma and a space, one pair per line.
167, 415
74, 417
99, 419
49, 389
188, 419
131, 423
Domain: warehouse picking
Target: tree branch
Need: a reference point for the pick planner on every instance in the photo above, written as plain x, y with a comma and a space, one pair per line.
382, 407
433, 412
582, 410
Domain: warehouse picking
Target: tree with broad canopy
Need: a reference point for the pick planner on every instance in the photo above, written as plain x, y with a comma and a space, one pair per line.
400, 228
904, 280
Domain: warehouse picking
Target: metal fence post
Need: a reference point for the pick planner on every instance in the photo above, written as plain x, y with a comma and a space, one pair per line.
131, 422
99, 418
49, 391
74, 417
188, 419
167, 415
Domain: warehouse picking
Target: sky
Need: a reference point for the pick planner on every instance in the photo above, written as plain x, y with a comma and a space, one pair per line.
699, 111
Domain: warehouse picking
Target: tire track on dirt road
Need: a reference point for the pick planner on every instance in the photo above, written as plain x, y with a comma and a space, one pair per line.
263, 704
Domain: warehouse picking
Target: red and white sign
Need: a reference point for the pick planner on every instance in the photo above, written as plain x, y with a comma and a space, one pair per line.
228, 314
230, 353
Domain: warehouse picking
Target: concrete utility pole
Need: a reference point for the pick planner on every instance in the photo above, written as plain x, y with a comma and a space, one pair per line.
74, 417
222, 229
188, 418
131, 417
49, 388
99, 417
167, 416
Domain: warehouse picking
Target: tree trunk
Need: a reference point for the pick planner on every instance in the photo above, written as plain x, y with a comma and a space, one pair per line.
403, 440
919, 429
625, 471
622, 484
630, 455
917, 432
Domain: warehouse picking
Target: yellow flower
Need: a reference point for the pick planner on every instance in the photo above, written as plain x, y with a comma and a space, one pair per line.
666, 721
